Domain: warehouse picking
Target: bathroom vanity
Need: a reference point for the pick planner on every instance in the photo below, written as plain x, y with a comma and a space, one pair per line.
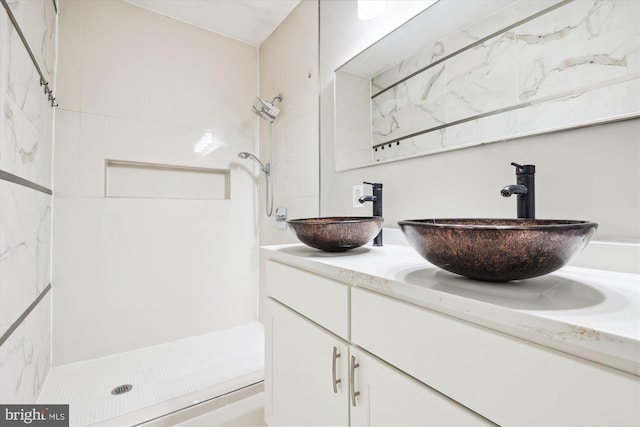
378, 336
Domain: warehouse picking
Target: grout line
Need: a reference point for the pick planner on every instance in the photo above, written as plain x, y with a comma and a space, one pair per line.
24, 315
6, 176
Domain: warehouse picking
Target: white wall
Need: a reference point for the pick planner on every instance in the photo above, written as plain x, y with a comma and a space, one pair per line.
289, 65
129, 272
26, 139
588, 173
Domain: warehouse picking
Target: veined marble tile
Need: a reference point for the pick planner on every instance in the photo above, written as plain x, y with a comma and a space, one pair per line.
4, 28
25, 240
37, 20
481, 79
25, 357
579, 45
583, 108
23, 82
27, 117
25, 150
523, 9
414, 105
572, 110
426, 56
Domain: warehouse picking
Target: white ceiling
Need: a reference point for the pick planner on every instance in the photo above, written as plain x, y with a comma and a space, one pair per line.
250, 21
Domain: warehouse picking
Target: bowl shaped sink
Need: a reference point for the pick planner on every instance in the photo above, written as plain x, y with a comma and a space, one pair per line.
498, 249
336, 234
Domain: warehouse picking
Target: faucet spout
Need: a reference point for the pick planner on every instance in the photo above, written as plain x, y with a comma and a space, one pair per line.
509, 190
367, 199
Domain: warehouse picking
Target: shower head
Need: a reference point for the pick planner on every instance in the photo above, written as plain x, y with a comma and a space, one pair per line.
266, 109
264, 168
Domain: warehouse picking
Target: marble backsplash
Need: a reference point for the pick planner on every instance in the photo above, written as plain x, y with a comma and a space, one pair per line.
572, 64
26, 141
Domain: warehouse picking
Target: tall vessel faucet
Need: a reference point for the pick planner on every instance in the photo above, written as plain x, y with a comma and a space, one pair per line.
376, 199
525, 189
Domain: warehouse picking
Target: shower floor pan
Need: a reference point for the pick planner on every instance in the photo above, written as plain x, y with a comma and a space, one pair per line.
132, 388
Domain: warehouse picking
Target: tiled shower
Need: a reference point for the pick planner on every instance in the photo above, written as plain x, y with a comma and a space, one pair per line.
156, 223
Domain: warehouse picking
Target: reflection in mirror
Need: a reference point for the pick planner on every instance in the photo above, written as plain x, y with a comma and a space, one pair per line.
464, 73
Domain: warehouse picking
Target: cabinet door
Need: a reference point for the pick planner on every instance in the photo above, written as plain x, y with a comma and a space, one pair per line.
503, 378
386, 396
303, 362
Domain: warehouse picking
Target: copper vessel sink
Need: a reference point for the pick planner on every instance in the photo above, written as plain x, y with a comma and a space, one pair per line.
498, 249
336, 234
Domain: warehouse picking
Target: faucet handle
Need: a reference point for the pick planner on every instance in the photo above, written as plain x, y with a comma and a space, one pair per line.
524, 169
375, 185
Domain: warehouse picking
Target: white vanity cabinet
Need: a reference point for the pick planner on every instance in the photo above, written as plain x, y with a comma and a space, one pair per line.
306, 371
315, 377
305, 365
507, 380
433, 349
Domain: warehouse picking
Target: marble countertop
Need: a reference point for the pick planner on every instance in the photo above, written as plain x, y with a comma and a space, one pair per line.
593, 314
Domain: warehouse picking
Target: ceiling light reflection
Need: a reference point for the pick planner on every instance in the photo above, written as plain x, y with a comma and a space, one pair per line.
208, 143
369, 9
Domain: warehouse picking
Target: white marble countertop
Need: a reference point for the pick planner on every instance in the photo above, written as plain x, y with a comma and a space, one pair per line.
593, 314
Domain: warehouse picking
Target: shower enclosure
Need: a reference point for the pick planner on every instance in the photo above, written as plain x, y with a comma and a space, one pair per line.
137, 277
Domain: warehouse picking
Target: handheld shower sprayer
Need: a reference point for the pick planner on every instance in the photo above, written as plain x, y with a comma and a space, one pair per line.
266, 168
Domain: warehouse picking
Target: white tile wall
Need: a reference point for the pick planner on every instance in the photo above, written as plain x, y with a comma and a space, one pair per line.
289, 65
142, 87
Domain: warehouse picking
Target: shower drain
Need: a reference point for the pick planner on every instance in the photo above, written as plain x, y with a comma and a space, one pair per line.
121, 389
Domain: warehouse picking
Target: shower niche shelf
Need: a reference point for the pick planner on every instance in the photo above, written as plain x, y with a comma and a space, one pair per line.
158, 181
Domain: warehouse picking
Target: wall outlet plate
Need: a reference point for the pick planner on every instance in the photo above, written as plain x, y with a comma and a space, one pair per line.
357, 191
281, 218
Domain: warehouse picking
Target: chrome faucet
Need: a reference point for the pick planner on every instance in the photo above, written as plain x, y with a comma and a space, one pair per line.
525, 189
376, 199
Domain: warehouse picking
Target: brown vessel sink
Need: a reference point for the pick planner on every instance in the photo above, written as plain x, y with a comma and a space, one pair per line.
336, 234
498, 249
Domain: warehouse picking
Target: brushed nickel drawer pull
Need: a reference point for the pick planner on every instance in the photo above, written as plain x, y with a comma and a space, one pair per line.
336, 381
354, 393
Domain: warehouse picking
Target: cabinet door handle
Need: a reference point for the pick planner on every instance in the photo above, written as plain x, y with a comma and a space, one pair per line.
336, 381
354, 393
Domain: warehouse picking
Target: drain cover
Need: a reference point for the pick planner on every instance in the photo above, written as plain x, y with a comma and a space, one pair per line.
121, 389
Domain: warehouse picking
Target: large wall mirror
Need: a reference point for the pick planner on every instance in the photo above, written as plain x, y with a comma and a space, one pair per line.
469, 72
